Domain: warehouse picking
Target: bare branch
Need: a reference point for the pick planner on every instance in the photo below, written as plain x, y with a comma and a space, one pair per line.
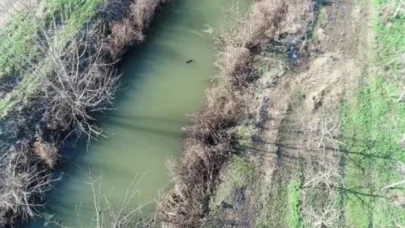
22, 179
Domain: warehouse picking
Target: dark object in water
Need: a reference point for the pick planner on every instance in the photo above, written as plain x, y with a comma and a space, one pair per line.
190, 61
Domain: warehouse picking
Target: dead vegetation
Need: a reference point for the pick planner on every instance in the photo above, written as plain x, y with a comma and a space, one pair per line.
23, 184
82, 83
303, 137
77, 80
323, 178
269, 21
47, 152
295, 137
209, 143
210, 138
83, 80
130, 30
108, 214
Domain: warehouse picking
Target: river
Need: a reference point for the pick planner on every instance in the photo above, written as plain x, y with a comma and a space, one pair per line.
144, 132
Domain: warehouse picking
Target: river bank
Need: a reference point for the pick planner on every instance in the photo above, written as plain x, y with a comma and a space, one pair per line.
226, 129
57, 70
303, 126
146, 127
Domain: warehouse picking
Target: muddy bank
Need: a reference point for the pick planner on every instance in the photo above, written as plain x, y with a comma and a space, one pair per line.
272, 34
33, 133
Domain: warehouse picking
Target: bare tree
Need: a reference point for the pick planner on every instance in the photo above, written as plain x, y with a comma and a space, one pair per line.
330, 130
81, 84
325, 180
113, 215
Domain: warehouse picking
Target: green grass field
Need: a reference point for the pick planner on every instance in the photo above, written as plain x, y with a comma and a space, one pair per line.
372, 129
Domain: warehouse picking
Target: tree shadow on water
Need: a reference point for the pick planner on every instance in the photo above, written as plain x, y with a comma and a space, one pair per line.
137, 118
133, 126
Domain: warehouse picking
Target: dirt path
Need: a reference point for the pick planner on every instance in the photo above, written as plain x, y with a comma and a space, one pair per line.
299, 101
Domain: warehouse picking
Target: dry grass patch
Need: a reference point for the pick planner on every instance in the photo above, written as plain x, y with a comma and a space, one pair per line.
130, 30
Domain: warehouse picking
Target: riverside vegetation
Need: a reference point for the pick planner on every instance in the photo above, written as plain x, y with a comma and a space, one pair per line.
215, 166
56, 71
303, 127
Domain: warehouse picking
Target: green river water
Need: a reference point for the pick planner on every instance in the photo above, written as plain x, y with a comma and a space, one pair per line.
145, 131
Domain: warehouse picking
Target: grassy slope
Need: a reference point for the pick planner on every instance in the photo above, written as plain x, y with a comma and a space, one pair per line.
276, 203
372, 128
19, 51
